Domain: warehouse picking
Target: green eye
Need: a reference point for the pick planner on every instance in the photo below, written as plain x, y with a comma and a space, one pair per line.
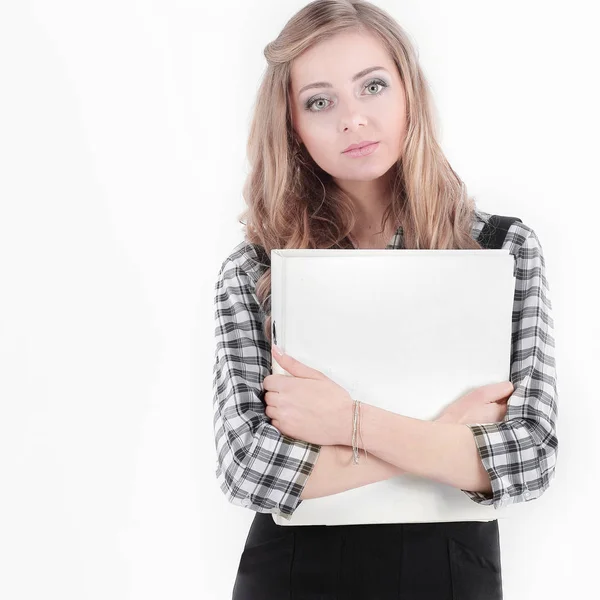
309, 104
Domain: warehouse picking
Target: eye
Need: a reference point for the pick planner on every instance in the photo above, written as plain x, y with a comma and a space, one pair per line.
373, 82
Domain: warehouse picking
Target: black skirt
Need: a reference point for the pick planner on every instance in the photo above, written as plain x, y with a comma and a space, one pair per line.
408, 561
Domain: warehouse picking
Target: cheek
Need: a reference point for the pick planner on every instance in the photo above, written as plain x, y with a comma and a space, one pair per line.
321, 145
317, 134
392, 123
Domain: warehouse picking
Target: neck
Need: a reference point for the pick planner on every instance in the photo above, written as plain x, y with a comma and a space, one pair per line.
377, 240
370, 200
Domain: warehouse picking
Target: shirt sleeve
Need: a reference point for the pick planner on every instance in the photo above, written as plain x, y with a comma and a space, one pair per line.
257, 467
520, 452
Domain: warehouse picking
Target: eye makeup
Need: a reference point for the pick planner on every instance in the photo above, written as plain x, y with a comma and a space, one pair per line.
311, 101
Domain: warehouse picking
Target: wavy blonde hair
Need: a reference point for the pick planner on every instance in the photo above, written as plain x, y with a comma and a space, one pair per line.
293, 203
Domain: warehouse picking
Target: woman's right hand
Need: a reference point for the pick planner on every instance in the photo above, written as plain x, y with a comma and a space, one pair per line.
485, 404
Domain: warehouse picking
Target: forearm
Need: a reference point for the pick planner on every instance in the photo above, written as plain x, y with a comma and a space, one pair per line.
445, 452
335, 472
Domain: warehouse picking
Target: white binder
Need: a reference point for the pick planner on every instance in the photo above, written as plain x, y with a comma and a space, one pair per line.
406, 330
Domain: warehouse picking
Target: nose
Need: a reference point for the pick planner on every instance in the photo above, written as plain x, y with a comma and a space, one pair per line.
351, 115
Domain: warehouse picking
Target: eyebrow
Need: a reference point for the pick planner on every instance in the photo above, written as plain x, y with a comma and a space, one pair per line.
319, 84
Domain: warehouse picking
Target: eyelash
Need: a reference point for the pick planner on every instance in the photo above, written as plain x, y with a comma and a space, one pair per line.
309, 103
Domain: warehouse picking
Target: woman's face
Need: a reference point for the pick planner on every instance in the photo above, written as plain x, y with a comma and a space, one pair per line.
341, 110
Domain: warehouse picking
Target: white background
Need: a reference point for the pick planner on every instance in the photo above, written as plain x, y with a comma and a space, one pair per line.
122, 156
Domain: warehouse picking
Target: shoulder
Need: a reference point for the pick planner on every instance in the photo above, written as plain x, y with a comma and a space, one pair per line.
520, 236
236, 303
245, 260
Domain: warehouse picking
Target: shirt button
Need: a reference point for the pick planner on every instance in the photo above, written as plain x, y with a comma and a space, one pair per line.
527, 494
246, 502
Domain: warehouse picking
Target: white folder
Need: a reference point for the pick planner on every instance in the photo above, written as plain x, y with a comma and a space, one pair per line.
406, 330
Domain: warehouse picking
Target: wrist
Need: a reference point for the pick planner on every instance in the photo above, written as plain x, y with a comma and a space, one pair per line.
346, 422
446, 419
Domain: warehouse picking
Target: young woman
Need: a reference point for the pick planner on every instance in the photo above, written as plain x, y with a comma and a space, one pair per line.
342, 74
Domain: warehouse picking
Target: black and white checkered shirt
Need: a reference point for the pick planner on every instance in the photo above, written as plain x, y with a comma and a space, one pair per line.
264, 470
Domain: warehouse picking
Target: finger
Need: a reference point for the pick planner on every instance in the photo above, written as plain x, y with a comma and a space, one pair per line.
275, 382
272, 398
295, 367
496, 391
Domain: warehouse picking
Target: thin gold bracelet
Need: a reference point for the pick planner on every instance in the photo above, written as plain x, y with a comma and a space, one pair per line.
357, 424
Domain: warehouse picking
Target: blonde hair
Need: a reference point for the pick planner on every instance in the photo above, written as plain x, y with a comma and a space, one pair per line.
293, 203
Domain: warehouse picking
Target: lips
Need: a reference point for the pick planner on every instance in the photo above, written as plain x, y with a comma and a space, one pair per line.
359, 145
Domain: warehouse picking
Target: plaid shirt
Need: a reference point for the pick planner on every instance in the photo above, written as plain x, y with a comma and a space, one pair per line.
264, 470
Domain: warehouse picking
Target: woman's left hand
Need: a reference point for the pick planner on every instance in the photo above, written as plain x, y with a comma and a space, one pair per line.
309, 405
